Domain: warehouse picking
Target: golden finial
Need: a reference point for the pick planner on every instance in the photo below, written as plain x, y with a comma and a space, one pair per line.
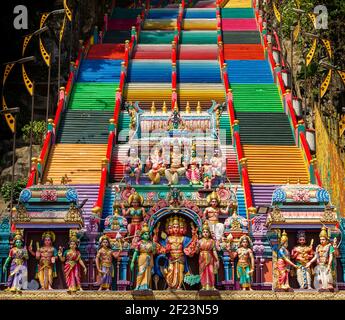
176, 106
187, 107
153, 108
164, 108
198, 107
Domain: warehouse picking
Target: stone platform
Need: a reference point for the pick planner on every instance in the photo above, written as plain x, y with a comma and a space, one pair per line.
172, 295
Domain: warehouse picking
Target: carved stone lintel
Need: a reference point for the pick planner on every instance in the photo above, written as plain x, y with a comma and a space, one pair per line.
275, 216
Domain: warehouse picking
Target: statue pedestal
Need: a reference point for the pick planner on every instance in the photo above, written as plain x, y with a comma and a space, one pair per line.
142, 294
209, 293
283, 290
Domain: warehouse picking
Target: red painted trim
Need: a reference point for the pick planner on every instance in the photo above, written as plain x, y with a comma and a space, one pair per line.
246, 186
305, 146
281, 83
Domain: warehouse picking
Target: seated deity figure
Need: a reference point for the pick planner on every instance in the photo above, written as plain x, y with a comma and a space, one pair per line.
211, 214
302, 254
217, 164
157, 166
325, 258
133, 165
193, 173
177, 166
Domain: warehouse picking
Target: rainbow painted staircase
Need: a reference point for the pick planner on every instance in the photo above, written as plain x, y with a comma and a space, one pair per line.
82, 137
266, 133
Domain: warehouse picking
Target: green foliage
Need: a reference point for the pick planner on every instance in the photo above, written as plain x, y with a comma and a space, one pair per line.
39, 129
19, 185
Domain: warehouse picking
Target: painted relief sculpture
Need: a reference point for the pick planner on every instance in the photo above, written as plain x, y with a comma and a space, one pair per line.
211, 214
18, 273
324, 257
72, 264
208, 259
46, 256
133, 165
284, 263
143, 254
104, 263
135, 211
302, 254
157, 166
245, 264
174, 250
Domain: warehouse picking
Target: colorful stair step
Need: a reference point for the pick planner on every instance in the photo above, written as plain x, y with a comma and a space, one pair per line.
198, 52
156, 37
115, 36
275, 164
256, 98
198, 37
124, 13
106, 51
243, 24
262, 194
196, 13
241, 37
265, 128
81, 162
93, 96
147, 51
237, 13
239, 4
199, 24
243, 52
198, 71
149, 71
96, 70
249, 71
121, 24
78, 126
160, 24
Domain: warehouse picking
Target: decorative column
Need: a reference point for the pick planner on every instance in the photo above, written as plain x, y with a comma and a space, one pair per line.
123, 282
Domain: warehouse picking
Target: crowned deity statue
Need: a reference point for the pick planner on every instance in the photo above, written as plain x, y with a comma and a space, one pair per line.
193, 173
217, 164
325, 258
104, 263
208, 259
207, 174
177, 166
284, 263
211, 214
157, 166
72, 264
133, 165
18, 256
143, 253
302, 254
174, 249
46, 256
245, 264
136, 211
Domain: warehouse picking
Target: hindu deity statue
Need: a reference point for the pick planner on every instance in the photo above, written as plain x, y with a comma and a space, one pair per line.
211, 214
175, 197
136, 211
176, 246
46, 256
72, 264
245, 264
18, 256
302, 254
157, 166
177, 166
104, 263
217, 164
175, 120
207, 175
193, 173
144, 254
325, 256
133, 165
208, 259
284, 263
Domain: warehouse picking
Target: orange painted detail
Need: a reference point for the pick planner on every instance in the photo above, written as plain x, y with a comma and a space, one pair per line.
243, 52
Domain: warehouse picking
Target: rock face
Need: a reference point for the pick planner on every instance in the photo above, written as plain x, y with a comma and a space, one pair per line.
21, 168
